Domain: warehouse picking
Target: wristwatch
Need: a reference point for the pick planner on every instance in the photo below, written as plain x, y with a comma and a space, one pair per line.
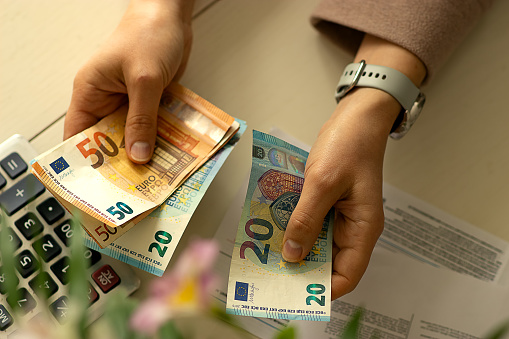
388, 80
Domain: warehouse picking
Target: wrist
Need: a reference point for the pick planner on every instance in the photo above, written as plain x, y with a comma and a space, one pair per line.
386, 83
371, 112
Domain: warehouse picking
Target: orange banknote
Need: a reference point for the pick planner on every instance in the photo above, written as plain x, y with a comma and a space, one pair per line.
91, 171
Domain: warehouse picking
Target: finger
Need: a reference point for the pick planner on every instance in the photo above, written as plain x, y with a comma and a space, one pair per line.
86, 109
185, 56
354, 243
349, 266
78, 116
141, 125
89, 104
77, 121
307, 219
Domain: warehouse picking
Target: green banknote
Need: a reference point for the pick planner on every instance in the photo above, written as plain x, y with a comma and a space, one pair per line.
261, 282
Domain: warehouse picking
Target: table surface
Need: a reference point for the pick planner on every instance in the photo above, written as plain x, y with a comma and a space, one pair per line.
262, 61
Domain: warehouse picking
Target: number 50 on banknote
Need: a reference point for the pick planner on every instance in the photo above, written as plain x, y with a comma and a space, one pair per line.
261, 282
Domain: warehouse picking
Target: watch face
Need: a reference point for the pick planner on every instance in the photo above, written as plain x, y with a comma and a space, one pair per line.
409, 118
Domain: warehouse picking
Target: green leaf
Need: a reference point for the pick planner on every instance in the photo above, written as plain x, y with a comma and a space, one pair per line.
500, 332
119, 308
7, 252
169, 331
78, 279
287, 333
351, 330
220, 314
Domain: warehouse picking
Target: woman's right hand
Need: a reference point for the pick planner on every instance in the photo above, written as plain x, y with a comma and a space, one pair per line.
148, 50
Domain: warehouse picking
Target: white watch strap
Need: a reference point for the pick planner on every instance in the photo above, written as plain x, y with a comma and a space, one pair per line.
384, 78
388, 80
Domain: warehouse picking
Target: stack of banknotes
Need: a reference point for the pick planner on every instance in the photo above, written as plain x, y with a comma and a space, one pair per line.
92, 177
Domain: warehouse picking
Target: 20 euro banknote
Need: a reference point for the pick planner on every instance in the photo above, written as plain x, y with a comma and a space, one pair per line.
150, 245
92, 172
261, 282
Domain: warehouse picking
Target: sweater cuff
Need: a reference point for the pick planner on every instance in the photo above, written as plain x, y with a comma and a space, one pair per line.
429, 29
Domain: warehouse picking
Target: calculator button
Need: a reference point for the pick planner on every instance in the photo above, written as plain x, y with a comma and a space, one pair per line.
47, 248
23, 192
91, 256
50, 210
65, 231
29, 225
4, 280
26, 263
22, 301
14, 165
106, 278
93, 296
61, 270
43, 285
13, 238
3, 182
60, 309
5, 318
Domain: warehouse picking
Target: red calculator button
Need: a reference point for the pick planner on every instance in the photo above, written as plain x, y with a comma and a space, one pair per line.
92, 295
106, 278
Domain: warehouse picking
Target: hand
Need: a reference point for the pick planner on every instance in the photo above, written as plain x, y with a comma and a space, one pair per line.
344, 172
148, 50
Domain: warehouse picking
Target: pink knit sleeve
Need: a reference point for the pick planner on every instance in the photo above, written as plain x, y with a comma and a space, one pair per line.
431, 29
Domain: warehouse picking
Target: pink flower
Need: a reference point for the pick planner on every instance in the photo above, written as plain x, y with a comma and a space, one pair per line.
185, 290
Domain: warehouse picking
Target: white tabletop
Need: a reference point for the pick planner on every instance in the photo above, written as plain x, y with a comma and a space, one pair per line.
263, 62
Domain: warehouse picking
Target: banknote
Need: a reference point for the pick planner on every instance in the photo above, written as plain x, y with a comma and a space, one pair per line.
91, 170
100, 232
150, 245
261, 282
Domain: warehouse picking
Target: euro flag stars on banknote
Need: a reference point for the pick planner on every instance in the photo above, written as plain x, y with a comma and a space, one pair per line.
261, 282
91, 171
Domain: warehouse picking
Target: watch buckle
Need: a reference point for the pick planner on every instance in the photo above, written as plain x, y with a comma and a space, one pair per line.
341, 92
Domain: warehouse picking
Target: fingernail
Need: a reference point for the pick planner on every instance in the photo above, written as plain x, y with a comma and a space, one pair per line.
292, 251
140, 151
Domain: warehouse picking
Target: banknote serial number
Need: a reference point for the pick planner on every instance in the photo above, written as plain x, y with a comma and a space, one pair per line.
97, 152
280, 310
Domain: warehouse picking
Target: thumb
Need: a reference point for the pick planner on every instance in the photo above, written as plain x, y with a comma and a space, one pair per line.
306, 222
141, 123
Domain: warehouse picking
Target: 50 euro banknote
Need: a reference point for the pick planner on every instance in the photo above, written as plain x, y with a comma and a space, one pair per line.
261, 282
91, 171
151, 244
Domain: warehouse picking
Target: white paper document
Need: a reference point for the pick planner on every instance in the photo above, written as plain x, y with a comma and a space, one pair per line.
406, 299
428, 234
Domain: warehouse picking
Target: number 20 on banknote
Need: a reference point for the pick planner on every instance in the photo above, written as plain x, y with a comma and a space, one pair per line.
261, 282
